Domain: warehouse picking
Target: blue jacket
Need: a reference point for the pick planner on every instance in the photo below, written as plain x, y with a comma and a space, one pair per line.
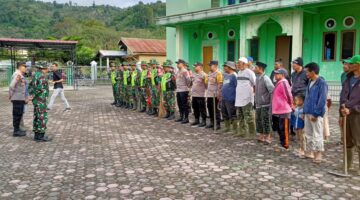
296, 121
315, 99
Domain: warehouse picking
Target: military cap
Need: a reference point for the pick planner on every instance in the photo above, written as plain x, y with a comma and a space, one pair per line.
144, 63
167, 63
214, 62
133, 63
41, 66
261, 65
198, 64
125, 64
153, 62
181, 61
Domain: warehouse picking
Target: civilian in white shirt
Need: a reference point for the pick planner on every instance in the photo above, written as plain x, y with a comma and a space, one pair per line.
246, 81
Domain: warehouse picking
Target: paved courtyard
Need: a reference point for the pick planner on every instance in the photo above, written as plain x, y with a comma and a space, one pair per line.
103, 152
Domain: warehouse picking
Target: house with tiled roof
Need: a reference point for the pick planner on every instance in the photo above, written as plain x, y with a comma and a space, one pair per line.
143, 49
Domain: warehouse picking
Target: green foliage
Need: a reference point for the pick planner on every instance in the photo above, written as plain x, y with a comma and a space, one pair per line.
95, 27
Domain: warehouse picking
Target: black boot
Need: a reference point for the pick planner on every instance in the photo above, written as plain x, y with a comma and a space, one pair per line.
185, 120
181, 118
113, 103
36, 136
203, 123
43, 138
211, 125
155, 112
143, 110
196, 122
171, 116
152, 112
167, 115
19, 133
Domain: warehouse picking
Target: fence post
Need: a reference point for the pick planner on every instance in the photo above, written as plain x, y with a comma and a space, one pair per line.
69, 76
9, 74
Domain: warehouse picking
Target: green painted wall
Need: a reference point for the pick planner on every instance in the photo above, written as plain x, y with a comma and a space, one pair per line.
314, 27
174, 7
267, 38
171, 43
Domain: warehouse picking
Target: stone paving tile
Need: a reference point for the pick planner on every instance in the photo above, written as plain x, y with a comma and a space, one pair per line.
103, 152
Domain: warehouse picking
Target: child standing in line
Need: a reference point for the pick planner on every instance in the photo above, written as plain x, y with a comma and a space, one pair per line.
297, 121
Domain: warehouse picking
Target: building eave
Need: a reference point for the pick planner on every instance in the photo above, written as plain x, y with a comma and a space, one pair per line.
238, 9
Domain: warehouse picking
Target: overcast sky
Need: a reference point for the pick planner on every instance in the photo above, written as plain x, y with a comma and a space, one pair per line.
118, 3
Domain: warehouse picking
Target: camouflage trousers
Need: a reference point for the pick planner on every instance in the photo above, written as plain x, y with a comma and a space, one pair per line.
169, 101
135, 95
142, 97
114, 89
246, 119
128, 94
118, 93
40, 118
155, 97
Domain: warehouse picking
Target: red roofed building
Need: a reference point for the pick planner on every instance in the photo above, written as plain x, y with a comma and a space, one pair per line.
143, 49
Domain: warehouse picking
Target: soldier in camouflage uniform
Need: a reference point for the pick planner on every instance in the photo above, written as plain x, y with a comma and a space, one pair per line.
113, 82
127, 86
154, 80
119, 80
39, 92
143, 83
135, 83
168, 87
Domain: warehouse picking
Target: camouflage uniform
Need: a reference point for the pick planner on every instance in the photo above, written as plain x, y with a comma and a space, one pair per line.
154, 80
135, 78
39, 90
127, 87
118, 87
168, 86
143, 83
113, 84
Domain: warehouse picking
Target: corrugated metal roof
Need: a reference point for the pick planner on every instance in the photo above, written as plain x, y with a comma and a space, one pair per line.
37, 44
109, 53
37, 41
145, 46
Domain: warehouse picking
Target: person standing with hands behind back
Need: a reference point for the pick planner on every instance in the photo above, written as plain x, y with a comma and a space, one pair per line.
58, 87
19, 97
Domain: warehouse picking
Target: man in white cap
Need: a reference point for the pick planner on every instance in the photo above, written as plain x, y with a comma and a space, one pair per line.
246, 81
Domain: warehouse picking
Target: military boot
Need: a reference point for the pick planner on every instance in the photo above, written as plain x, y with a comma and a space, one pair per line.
155, 112
203, 123
196, 122
167, 115
181, 118
185, 120
143, 110
43, 138
171, 116
36, 136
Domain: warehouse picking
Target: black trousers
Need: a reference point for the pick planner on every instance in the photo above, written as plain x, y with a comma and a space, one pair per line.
182, 101
210, 106
283, 130
18, 111
228, 110
199, 107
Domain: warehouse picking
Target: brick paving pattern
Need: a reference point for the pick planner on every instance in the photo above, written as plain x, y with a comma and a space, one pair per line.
103, 152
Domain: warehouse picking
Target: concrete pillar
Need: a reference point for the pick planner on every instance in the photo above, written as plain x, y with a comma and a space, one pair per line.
242, 42
297, 37
107, 63
179, 42
100, 61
